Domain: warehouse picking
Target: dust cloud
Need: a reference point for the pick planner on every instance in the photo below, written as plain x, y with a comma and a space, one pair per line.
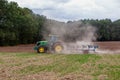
71, 31
74, 35
103, 51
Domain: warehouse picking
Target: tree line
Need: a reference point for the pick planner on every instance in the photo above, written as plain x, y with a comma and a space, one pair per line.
21, 26
107, 30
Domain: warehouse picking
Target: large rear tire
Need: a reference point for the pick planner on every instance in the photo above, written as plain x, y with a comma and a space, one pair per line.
57, 47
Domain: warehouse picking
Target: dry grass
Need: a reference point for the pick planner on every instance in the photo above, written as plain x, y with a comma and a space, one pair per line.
33, 66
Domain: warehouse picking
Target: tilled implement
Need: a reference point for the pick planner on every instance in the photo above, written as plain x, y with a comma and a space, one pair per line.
80, 48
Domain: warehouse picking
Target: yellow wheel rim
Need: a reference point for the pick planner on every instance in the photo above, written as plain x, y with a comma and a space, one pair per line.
58, 48
41, 50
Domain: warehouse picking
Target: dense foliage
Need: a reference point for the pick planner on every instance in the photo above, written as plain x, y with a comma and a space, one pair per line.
106, 29
22, 26
18, 25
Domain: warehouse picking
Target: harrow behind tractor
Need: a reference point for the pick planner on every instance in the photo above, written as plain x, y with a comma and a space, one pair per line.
55, 45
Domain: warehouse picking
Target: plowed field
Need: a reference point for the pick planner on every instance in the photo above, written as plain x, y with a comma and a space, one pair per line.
113, 46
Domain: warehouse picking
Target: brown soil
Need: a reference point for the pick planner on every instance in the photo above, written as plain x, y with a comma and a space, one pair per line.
109, 45
18, 48
29, 48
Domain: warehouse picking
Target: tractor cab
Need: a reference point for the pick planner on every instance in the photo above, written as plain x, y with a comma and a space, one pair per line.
52, 39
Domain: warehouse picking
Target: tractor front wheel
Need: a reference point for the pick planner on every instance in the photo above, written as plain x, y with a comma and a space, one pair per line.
41, 49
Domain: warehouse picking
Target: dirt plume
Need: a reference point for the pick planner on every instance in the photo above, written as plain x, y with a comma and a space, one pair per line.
71, 31
73, 34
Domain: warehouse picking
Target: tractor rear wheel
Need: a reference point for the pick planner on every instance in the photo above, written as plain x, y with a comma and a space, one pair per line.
58, 47
42, 49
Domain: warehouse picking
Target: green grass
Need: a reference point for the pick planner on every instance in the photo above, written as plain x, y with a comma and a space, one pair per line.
77, 66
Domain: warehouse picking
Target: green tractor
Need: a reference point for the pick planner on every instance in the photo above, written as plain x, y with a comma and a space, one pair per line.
52, 45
